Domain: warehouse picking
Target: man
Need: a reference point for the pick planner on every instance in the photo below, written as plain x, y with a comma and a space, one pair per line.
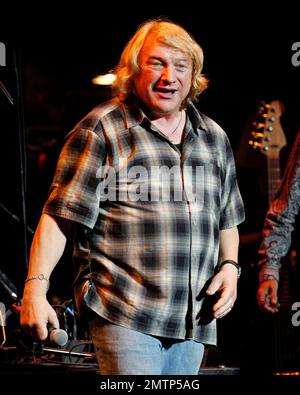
278, 227
148, 186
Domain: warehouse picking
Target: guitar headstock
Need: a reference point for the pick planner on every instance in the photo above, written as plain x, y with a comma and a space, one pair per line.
268, 135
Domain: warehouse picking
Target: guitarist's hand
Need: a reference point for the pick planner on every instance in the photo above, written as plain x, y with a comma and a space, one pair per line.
267, 296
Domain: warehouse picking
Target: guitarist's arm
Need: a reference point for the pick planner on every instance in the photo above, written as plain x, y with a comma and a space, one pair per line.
278, 227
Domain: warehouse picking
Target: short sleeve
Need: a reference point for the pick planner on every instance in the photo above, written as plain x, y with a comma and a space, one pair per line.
232, 207
73, 193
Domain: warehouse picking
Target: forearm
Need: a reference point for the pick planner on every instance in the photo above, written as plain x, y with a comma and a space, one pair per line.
225, 280
276, 241
229, 244
47, 248
280, 218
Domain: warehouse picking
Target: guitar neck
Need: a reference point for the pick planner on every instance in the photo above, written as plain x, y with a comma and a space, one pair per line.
269, 137
274, 174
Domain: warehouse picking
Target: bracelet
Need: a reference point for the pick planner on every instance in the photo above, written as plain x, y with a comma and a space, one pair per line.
38, 277
267, 277
231, 262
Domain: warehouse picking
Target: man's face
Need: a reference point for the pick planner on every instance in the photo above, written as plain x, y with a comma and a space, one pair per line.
165, 77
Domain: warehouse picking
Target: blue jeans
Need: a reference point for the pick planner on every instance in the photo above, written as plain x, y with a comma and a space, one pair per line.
123, 351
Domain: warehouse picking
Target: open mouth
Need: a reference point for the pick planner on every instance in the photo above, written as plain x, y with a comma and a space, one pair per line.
165, 91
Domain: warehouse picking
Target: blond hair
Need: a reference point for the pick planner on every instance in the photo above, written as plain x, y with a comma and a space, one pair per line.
167, 33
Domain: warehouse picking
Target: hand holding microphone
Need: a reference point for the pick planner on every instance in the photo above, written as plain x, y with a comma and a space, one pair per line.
38, 328
57, 336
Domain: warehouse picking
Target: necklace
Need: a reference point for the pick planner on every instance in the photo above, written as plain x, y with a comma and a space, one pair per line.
170, 134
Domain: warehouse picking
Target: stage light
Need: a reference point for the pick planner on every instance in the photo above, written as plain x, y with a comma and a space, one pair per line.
104, 79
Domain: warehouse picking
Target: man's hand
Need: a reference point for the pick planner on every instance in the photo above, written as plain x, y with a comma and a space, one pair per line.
36, 315
225, 281
267, 296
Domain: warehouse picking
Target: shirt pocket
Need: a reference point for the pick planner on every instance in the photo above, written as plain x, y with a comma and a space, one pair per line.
203, 186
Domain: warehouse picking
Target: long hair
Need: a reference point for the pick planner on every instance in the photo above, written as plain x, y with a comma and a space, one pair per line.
167, 33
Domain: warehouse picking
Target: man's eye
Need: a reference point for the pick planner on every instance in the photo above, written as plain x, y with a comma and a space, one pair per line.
156, 65
181, 67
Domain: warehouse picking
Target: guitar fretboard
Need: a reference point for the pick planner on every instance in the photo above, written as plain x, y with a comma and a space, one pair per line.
274, 175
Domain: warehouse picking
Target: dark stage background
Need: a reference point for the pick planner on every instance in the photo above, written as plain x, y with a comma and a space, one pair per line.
247, 59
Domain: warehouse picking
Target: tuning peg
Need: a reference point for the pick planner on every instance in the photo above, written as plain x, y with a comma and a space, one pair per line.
254, 144
267, 138
257, 135
263, 106
258, 125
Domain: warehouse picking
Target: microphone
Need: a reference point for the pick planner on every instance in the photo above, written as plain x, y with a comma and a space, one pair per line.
59, 337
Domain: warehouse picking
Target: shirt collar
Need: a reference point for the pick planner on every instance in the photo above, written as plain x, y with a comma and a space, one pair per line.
196, 118
134, 115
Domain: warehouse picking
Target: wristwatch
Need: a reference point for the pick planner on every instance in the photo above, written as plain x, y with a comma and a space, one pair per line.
231, 262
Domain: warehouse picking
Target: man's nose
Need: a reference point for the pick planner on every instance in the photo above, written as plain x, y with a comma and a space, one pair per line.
169, 74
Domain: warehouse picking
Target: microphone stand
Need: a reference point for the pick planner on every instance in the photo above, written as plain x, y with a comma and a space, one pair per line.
6, 93
15, 217
22, 152
22, 149
39, 349
68, 353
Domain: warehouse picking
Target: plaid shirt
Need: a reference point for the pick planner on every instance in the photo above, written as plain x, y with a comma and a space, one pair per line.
280, 219
145, 263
